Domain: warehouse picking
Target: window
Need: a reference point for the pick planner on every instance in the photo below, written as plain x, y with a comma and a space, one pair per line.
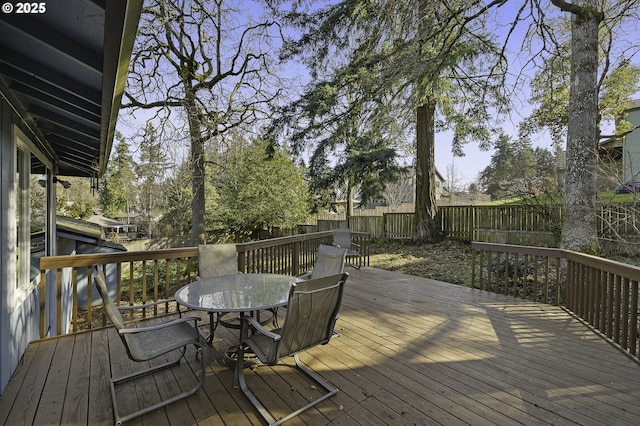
30, 217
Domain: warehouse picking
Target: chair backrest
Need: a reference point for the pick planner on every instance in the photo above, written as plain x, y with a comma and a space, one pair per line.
114, 315
330, 260
110, 308
342, 238
217, 260
137, 349
312, 311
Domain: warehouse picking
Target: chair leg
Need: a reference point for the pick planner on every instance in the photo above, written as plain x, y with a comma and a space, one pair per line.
119, 419
240, 379
242, 383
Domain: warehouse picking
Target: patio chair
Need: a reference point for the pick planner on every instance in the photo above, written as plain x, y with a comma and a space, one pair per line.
150, 343
330, 260
342, 238
311, 316
217, 260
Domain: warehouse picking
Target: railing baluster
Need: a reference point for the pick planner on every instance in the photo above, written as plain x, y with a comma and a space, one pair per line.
633, 332
74, 302
59, 302
156, 291
624, 339
617, 307
118, 282
608, 329
536, 267
131, 292
487, 284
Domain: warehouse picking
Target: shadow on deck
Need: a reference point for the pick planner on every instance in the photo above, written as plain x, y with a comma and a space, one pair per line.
411, 351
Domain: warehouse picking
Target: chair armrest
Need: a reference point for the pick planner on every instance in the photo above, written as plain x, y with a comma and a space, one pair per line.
260, 329
304, 276
353, 246
159, 326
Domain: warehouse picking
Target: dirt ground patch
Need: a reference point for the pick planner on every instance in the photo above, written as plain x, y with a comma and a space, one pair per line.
449, 260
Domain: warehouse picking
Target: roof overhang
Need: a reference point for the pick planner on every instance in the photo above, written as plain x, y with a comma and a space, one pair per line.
63, 72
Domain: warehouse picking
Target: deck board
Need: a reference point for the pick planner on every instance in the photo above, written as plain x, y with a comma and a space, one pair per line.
410, 351
99, 397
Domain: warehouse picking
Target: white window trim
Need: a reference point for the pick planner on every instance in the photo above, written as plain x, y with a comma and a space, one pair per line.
22, 142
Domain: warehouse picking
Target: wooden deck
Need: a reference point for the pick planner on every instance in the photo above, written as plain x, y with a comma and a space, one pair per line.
411, 351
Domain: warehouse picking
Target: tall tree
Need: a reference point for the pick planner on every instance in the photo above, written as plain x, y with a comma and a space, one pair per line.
580, 82
496, 176
151, 172
261, 192
358, 154
77, 200
517, 170
118, 191
176, 218
579, 231
429, 57
205, 63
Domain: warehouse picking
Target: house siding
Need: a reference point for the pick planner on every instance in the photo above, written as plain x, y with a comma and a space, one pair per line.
631, 151
18, 322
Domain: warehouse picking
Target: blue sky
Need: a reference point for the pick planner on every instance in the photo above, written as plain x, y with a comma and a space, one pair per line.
467, 168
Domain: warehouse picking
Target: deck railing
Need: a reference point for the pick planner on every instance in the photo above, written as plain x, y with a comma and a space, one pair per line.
148, 276
602, 292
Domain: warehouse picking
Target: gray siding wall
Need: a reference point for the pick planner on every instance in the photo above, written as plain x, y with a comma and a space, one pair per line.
18, 322
631, 150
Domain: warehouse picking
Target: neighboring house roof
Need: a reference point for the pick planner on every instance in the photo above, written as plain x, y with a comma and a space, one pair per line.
63, 72
105, 222
79, 230
84, 231
79, 226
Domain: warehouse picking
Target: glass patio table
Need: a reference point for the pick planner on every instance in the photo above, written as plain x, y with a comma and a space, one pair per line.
241, 293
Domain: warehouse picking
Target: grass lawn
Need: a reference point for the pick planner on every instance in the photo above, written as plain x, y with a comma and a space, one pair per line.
448, 261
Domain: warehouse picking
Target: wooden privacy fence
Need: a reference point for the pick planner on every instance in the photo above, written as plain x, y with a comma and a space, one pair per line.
538, 225
70, 303
602, 292
460, 222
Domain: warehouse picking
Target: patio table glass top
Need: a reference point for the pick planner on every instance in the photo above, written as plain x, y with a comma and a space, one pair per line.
237, 293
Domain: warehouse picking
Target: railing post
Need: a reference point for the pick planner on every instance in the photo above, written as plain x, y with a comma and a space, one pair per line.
242, 260
43, 304
295, 261
59, 303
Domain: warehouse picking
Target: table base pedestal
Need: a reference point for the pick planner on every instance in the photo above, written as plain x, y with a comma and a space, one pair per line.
230, 356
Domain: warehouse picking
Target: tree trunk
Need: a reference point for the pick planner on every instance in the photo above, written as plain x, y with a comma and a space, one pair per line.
426, 227
197, 183
349, 206
579, 229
